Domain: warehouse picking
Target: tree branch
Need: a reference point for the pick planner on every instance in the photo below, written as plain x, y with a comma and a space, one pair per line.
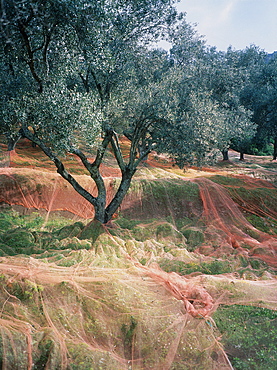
30, 53
47, 39
25, 132
117, 152
101, 151
98, 86
85, 80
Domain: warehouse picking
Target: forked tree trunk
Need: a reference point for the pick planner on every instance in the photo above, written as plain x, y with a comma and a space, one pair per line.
103, 214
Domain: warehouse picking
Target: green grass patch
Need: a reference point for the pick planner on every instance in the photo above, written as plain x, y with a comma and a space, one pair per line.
124, 223
194, 237
227, 180
264, 197
23, 234
249, 336
11, 218
210, 268
264, 224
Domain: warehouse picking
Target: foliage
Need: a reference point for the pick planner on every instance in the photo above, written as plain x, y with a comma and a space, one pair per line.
78, 71
70, 230
259, 95
249, 336
204, 100
67, 75
210, 268
127, 224
23, 234
194, 237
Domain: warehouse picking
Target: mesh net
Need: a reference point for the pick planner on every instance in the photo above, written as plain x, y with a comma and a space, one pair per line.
226, 222
59, 312
101, 308
35, 189
226, 228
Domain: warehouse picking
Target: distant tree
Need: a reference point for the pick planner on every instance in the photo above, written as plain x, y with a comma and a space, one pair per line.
228, 75
217, 81
260, 95
266, 103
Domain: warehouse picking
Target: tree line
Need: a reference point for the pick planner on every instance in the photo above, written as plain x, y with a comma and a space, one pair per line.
80, 71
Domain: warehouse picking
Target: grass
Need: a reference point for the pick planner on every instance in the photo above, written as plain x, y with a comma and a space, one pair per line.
183, 268
11, 218
125, 223
249, 267
249, 335
29, 234
260, 223
228, 180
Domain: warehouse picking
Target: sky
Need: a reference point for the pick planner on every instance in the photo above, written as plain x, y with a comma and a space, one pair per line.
238, 23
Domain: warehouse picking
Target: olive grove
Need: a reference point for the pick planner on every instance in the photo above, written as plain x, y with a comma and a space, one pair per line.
86, 71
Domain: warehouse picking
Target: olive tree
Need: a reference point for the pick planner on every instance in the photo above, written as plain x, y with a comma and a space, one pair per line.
209, 108
83, 71
68, 65
260, 95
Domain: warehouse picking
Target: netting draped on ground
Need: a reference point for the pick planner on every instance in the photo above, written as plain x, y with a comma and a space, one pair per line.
34, 189
226, 224
138, 317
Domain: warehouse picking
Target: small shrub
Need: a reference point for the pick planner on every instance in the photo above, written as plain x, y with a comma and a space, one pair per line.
141, 233
182, 222
70, 231
5, 224
255, 264
166, 230
24, 290
127, 224
194, 237
18, 239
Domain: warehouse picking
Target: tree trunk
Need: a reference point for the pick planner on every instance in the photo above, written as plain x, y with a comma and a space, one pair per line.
99, 210
241, 156
103, 214
225, 155
143, 149
275, 149
120, 194
12, 141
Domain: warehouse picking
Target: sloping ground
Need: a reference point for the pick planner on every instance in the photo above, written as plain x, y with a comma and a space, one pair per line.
153, 289
100, 310
97, 317
223, 217
36, 189
207, 205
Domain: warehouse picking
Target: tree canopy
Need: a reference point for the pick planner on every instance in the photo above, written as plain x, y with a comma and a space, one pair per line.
86, 71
